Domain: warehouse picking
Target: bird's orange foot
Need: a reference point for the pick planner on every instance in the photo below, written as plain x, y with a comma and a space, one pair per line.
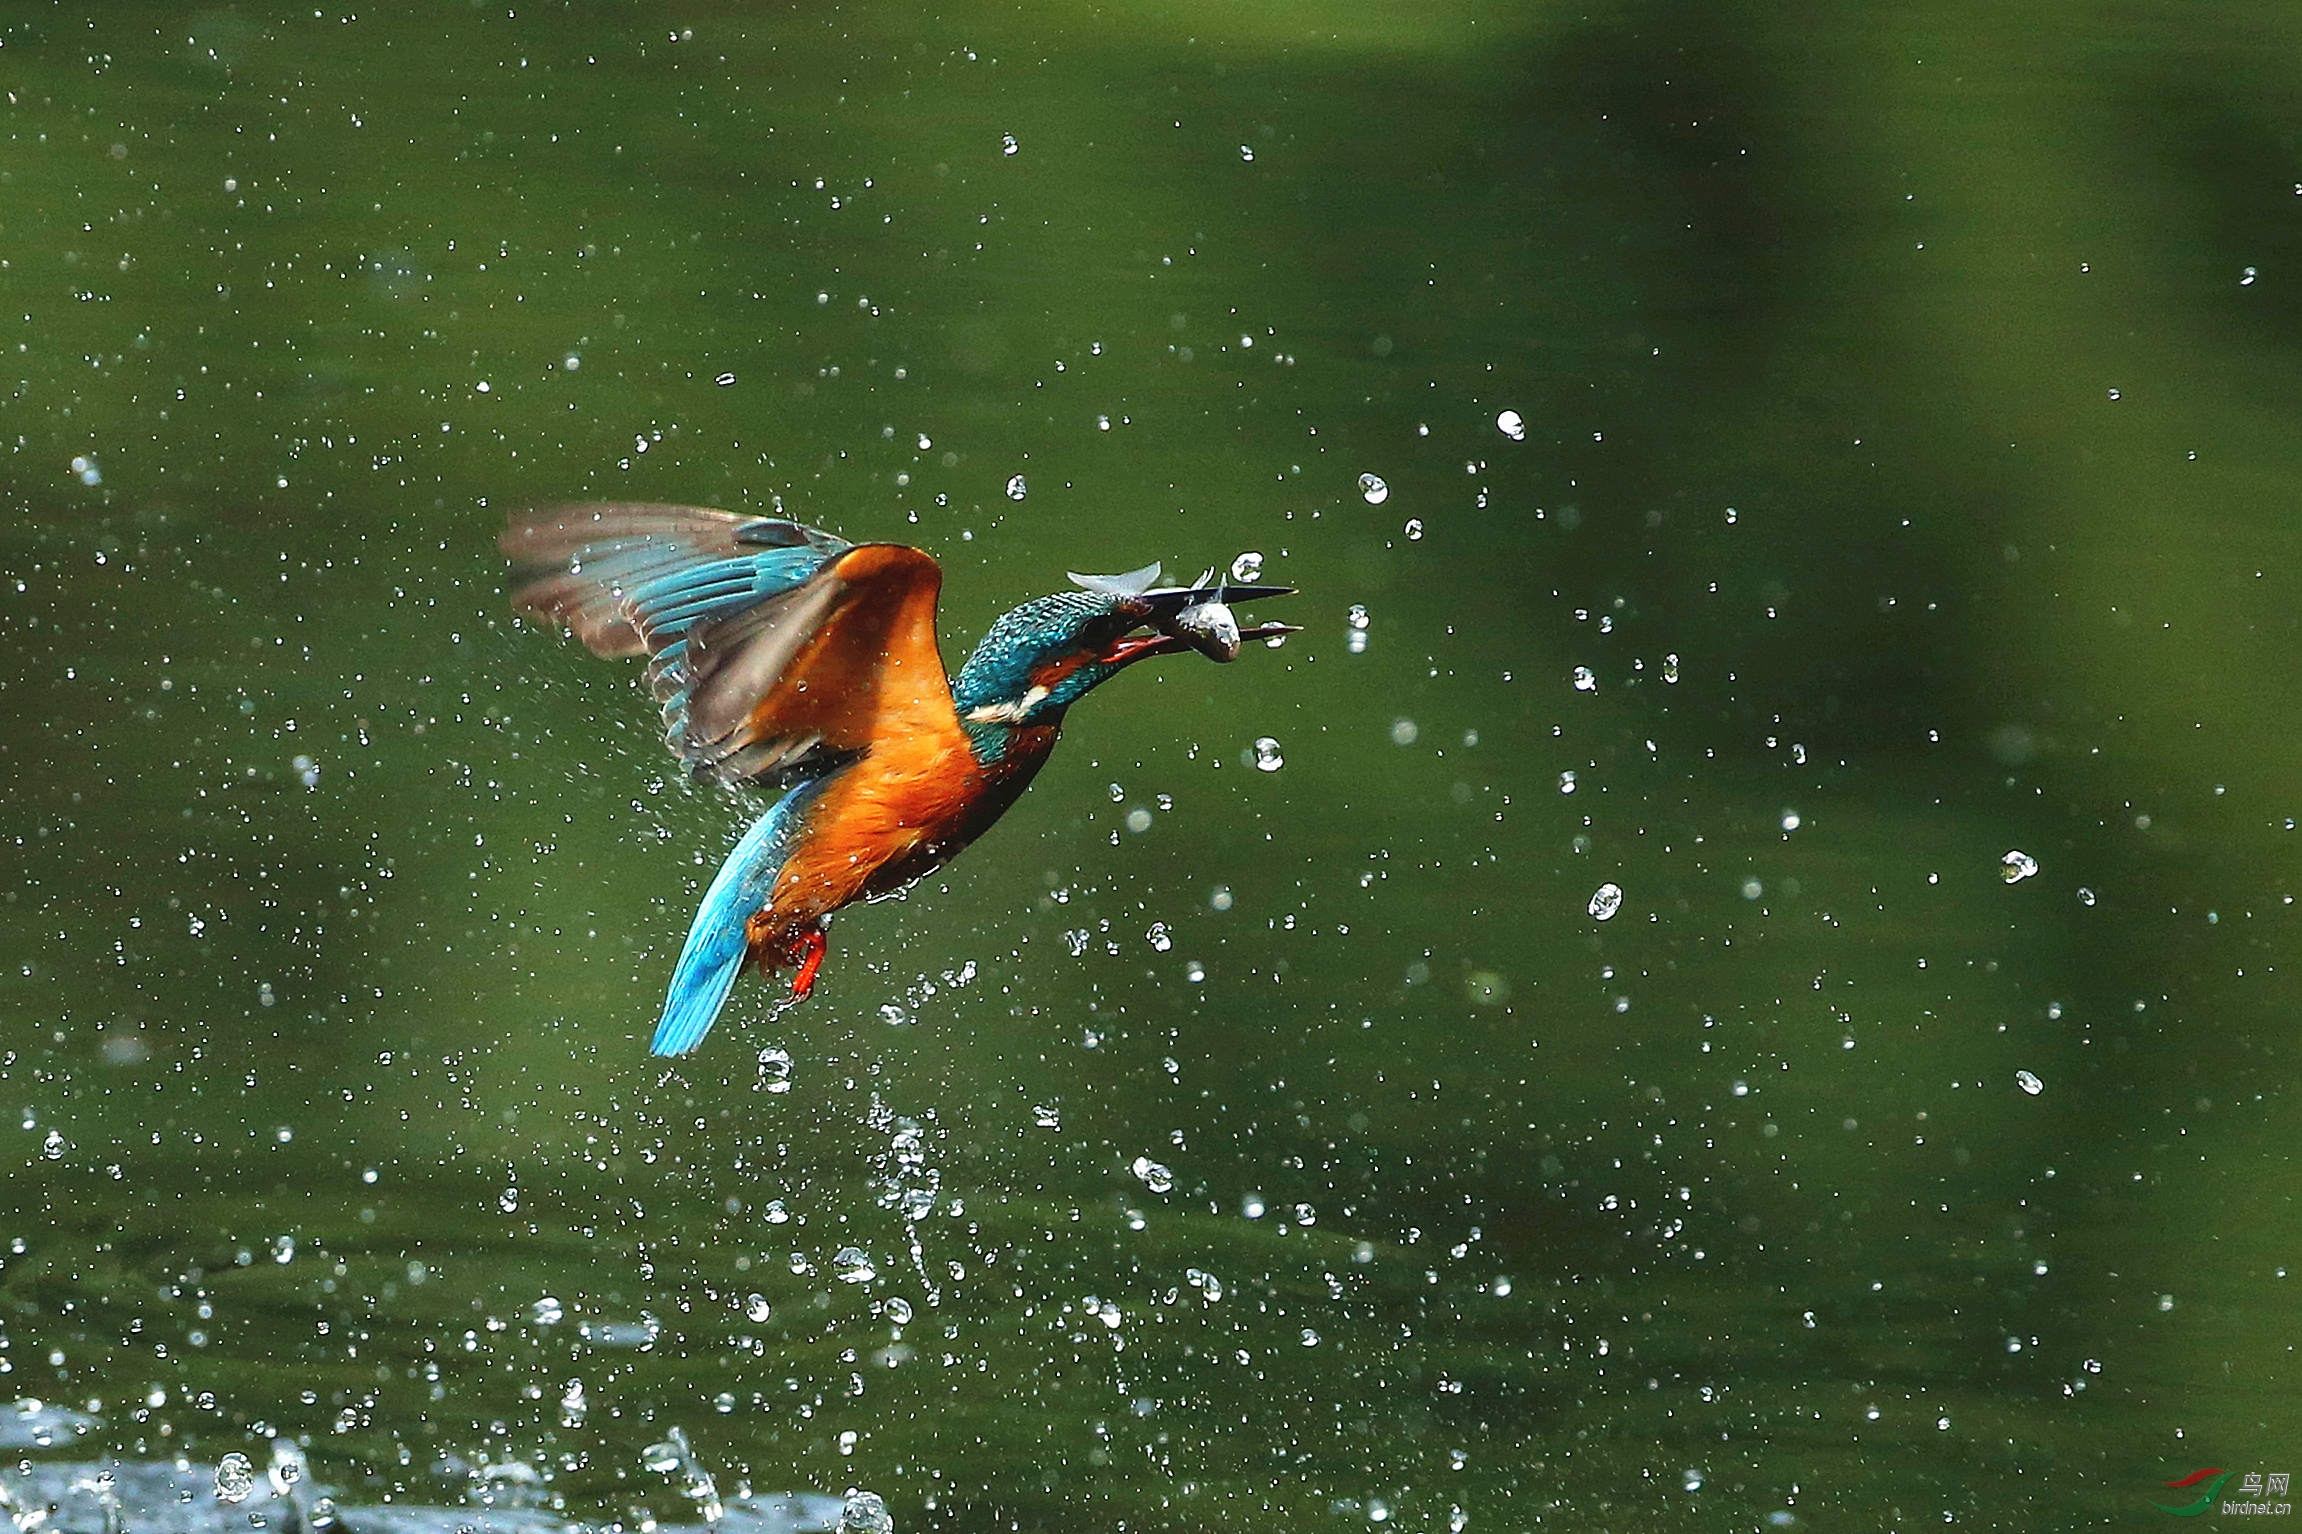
812, 948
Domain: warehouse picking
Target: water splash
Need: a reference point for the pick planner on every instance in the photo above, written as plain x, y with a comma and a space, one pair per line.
235, 1478
675, 1457
865, 1512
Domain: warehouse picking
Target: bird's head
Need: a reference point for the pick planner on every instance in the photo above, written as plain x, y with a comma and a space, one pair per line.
1047, 654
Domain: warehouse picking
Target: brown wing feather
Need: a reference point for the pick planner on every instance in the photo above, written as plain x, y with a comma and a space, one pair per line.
776, 649
823, 671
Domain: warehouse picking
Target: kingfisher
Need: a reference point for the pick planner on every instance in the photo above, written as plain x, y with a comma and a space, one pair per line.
790, 660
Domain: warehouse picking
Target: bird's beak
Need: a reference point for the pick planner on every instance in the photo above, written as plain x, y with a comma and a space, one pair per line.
1198, 618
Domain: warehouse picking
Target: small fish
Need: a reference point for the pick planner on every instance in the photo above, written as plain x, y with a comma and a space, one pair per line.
1211, 629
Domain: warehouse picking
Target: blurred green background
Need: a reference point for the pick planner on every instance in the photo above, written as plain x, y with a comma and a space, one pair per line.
1903, 477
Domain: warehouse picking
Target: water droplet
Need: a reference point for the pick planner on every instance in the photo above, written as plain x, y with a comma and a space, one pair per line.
1671, 669
53, 1147
2017, 866
1512, 425
852, 1265
725, 380
84, 469
1567, 782
1153, 1176
1246, 154
774, 1070
1007, 144
661, 1458
1585, 680
1372, 487
1414, 529
235, 1478
1017, 487
1790, 820
2246, 277
2029, 1083
897, 1310
1047, 1117
1159, 937
865, 1513
1357, 618
1268, 757
756, 1308
1248, 566
283, 1249
1605, 901
1405, 732
2085, 895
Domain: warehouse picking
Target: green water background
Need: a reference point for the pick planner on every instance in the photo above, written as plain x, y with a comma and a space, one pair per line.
1915, 385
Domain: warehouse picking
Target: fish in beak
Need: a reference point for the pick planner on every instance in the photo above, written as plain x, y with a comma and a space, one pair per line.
1199, 618
1195, 617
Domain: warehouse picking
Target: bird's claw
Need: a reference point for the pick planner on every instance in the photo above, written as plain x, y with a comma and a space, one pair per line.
812, 948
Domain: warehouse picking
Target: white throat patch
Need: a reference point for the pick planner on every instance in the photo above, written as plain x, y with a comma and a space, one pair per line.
1014, 711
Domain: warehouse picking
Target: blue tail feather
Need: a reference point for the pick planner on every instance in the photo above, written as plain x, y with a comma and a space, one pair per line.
714, 952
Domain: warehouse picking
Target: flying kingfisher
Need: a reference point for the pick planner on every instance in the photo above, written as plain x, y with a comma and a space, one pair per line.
787, 658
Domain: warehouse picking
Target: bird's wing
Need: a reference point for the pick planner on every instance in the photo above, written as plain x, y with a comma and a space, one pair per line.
776, 650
